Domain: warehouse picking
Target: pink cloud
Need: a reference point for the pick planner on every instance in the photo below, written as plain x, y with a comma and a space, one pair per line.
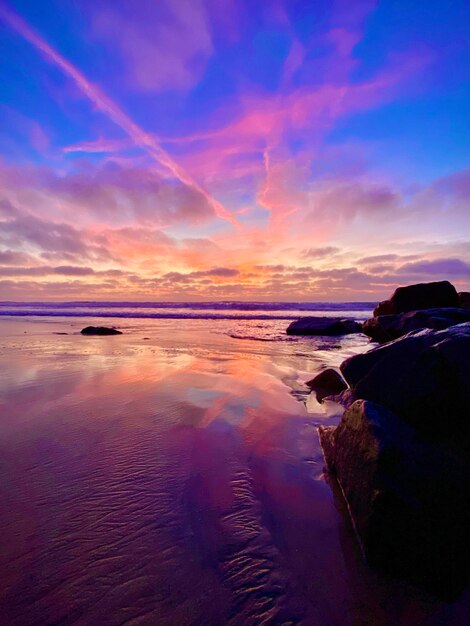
99, 145
122, 193
265, 122
13, 257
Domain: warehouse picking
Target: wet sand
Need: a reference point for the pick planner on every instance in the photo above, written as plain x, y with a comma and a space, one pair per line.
173, 475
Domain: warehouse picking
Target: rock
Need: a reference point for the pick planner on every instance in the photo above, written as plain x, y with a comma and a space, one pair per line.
408, 500
464, 299
424, 377
389, 327
327, 383
419, 296
328, 326
345, 398
384, 308
100, 330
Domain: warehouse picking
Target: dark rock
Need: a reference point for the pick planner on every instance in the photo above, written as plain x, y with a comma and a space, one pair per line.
424, 377
328, 326
345, 398
384, 308
420, 296
327, 383
388, 327
464, 299
100, 330
408, 499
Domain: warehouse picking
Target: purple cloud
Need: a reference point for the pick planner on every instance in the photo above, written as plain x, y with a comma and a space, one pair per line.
440, 267
13, 257
161, 45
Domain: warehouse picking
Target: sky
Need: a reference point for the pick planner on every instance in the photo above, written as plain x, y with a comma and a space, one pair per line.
295, 150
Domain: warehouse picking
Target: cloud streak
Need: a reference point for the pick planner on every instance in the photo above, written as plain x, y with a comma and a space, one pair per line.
143, 140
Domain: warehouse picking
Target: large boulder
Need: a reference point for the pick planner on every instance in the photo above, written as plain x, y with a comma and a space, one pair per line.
420, 296
329, 382
424, 377
328, 326
388, 327
408, 499
100, 330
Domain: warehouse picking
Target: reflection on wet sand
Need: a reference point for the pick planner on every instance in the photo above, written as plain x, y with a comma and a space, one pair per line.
176, 480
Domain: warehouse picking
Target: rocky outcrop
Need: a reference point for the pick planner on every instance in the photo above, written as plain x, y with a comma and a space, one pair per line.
425, 305
100, 330
327, 383
389, 327
424, 377
408, 499
401, 455
419, 296
327, 326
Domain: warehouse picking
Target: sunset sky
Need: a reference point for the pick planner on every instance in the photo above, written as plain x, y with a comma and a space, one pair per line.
233, 149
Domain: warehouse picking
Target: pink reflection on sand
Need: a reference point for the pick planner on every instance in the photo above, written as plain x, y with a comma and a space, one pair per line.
174, 480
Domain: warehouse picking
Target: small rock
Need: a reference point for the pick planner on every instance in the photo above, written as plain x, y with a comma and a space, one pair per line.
327, 383
100, 330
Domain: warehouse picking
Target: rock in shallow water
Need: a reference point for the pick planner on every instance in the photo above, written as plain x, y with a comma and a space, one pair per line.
408, 499
100, 330
327, 326
327, 383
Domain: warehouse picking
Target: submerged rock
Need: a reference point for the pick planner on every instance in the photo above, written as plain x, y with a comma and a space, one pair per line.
419, 296
327, 383
389, 327
408, 499
327, 326
100, 330
424, 377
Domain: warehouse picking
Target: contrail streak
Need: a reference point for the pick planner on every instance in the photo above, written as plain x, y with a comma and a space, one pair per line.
109, 108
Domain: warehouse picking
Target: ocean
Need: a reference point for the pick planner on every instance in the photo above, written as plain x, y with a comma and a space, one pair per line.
249, 315
189, 310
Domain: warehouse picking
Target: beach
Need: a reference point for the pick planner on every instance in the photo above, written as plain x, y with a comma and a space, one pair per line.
234, 313
173, 475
